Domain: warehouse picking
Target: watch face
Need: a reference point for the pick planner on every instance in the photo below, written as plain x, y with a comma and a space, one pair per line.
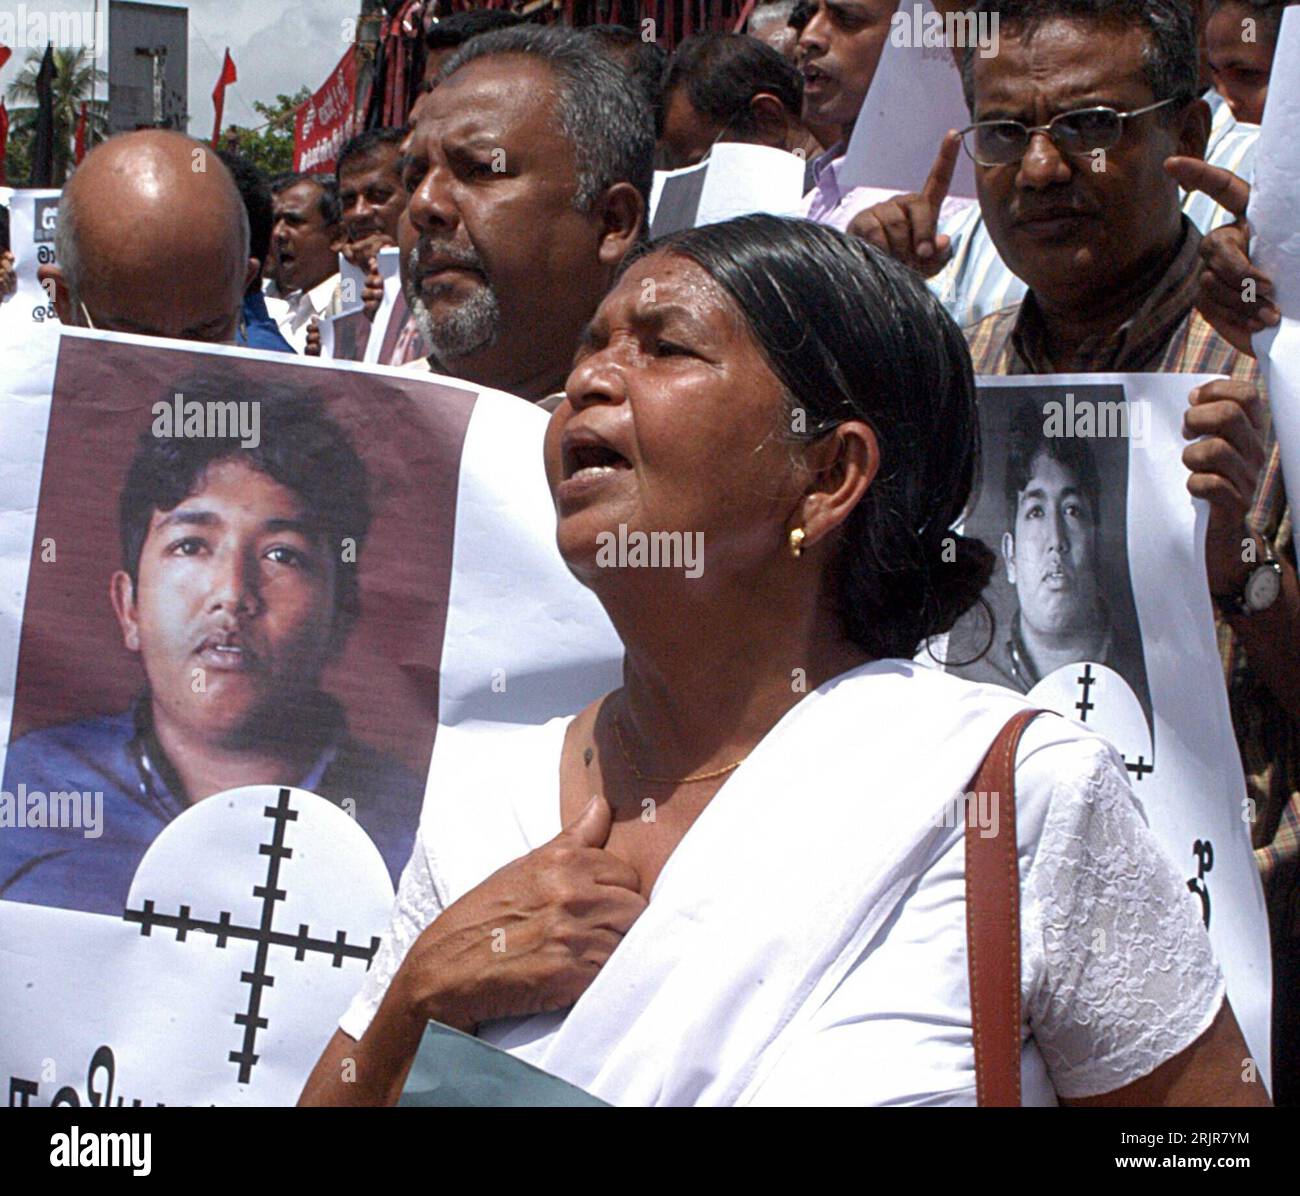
1263, 588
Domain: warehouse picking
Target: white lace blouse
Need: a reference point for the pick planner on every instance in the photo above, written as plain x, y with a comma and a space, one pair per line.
1117, 973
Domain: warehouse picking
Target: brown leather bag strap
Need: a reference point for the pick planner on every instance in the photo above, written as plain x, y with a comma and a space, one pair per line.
993, 924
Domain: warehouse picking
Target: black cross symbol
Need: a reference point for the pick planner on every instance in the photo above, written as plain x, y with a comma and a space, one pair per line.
264, 935
1140, 767
1084, 704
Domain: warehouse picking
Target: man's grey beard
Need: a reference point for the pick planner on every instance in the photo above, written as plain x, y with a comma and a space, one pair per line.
472, 326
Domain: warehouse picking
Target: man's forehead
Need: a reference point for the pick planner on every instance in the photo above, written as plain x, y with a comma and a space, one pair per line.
230, 485
492, 95
303, 194
380, 160
857, 8
1050, 473
1060, 60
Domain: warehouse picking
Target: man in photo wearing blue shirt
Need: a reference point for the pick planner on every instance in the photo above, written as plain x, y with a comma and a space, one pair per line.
238, 584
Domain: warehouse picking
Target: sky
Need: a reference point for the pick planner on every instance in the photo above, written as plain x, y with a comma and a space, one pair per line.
277, 45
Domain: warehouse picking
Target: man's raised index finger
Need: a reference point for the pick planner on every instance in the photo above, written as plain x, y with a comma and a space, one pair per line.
1222, 186
936, 186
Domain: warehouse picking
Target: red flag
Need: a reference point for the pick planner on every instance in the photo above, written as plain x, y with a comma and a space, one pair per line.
79, 150
324, 122
219, 93
5, 52
4, 142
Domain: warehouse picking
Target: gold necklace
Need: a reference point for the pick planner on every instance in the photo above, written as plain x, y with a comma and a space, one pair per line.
641, 776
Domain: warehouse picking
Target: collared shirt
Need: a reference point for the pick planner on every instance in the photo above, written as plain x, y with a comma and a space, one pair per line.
257, 330
1164, 334
823, 201
118, 757
1010, 663
827, 204
294, 312
976, 281
1168, 335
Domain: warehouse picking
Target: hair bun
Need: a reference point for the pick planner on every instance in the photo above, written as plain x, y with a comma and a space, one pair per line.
959, 573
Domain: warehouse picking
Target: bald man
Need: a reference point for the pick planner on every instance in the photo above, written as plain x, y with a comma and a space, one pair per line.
153, 239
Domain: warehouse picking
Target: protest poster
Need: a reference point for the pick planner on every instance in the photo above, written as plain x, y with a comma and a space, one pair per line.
1099, 609
234, 635
33, 223
324, 122
344, 337
391, 338
1275, 222
736, 179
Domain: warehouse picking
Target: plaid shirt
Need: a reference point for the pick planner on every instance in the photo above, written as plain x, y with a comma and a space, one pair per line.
1167, 335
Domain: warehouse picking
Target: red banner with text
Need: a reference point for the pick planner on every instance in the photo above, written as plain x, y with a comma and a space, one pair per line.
325, 121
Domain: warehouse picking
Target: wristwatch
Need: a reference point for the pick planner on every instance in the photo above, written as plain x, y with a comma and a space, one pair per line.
1258, 592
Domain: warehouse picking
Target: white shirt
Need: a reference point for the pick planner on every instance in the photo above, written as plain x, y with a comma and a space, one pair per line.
1117, 973
294, 312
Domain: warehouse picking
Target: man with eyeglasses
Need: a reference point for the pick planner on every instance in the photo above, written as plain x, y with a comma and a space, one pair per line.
957, 253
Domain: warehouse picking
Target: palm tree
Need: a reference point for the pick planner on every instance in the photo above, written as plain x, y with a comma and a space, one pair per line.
75, 79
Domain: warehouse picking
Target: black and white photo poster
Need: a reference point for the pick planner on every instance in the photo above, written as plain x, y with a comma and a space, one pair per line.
1099, 609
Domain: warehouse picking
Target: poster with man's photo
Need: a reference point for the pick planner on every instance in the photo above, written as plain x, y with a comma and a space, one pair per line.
242, 596
1099, 609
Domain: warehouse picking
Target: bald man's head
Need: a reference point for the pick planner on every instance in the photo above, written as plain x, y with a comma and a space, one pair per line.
153, 239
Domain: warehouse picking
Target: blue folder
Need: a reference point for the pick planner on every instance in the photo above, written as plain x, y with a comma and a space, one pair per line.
455, 1070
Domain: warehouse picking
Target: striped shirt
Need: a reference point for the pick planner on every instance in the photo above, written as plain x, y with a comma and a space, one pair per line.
1168, 335
976, 281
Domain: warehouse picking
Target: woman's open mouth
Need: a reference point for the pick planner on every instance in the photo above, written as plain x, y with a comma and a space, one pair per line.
586, 464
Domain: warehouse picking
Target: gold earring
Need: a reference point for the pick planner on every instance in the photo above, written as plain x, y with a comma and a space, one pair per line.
796, 541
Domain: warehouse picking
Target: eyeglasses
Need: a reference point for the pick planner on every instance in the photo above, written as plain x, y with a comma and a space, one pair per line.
1084, 131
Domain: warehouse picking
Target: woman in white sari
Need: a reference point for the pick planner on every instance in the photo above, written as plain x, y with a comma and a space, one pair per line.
737, 880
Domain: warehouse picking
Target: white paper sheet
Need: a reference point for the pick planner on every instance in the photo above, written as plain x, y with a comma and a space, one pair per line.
734, 180
389, 270
915, 98
1275, 222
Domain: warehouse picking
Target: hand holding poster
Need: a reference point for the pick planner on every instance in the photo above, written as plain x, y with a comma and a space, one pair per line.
386, 336
234, 633
1101, 611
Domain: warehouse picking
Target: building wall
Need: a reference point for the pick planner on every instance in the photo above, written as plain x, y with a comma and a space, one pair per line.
131, 28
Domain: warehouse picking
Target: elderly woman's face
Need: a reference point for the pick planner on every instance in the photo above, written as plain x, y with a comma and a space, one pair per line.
670, 423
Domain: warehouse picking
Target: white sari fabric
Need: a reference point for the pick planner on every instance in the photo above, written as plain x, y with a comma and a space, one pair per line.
805, 943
